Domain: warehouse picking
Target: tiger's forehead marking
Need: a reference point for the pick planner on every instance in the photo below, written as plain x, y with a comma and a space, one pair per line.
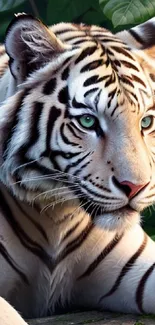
119, 78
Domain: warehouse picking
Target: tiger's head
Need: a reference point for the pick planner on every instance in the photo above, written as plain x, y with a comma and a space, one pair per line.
79, 121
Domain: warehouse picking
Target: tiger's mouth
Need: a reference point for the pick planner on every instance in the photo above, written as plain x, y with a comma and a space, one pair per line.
127, 209
95, 210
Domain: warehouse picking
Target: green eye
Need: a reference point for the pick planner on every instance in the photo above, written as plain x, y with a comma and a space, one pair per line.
146, 122
87, 121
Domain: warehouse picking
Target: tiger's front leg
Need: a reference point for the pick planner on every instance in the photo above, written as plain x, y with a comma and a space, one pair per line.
121, 277
8, 315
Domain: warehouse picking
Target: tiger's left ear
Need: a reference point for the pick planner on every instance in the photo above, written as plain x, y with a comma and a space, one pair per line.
30, 45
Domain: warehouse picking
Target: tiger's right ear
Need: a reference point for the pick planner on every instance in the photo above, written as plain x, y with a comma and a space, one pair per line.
30, 45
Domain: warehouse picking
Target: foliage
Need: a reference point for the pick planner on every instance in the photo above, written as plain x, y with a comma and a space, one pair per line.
112, 14
128, 11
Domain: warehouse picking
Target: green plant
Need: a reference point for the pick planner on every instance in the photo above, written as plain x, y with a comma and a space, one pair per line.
113, 14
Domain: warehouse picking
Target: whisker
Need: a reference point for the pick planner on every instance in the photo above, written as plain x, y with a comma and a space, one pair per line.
55, 171
55, 190
52, 204
75, 211
26, 164
94, 208
49, 176
91, 203
44, 178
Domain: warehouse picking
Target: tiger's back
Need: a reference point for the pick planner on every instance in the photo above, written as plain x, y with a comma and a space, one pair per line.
77, 162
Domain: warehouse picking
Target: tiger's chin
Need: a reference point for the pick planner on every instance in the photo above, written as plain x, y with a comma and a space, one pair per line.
118, 220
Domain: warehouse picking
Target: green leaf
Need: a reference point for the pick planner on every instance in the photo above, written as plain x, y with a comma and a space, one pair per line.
67, 10
10, 4
128, 11
149, 221
94, 17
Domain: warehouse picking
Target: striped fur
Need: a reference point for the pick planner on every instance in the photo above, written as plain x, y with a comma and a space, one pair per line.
71, 197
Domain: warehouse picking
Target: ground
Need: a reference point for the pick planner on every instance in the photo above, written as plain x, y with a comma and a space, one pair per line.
95, 318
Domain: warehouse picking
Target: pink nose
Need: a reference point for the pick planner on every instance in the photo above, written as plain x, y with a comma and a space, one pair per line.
131, 189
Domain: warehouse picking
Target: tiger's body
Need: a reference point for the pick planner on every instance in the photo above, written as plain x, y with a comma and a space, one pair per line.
70, 196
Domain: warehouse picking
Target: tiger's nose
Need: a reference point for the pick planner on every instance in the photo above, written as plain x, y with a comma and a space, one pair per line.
129, 188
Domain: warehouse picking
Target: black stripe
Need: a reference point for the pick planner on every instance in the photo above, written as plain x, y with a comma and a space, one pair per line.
77, 242
129, 65
90, 91
23, 237
85, 178
71, 38
101, 187
66, 155
103, 50
65, 139
127, 267
86, 52
134, 96
92, 65
75, 126
141, 287
107, 62
107, 250
80, 41
95, 194
107, 39
127, 81
36, 224
117, 63
112, 113
71, 128
93, 80
96, 101
12, 263
65, 73
71, 230
76, 162
53, 116
110, 81
137, 37
123, 51
59, 32
80, 169
34, 127
11, 125
39, 168
111, 96
78, 104
137, 79
49, 86
63, 95
64, 218
33, 131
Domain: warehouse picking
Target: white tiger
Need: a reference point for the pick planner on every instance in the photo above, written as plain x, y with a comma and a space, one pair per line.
77, 153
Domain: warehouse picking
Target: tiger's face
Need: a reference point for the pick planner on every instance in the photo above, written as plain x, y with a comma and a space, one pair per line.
85, 127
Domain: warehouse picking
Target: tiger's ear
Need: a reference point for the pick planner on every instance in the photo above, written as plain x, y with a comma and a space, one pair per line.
145, 35
141, 40
140, 37
29, 45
